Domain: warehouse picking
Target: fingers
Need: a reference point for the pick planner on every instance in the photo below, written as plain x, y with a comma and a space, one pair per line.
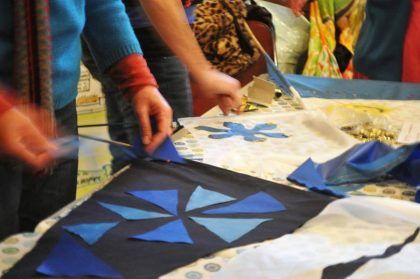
164, 129
145, 126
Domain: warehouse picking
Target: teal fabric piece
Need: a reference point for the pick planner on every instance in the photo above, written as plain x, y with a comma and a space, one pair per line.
69, 259
260, 202
229, 229
131, 213
90, 233
166, 199
202, 197
173, 232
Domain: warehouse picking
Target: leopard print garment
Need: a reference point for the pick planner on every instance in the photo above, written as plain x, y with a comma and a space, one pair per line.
215, 30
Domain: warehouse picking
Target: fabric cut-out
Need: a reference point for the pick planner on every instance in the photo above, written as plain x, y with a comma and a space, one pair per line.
131, 213
260, 202
229, 229
166, 199
237, 129
69, 259
90, 233
360, 164
164, 152
202, 197
173, 232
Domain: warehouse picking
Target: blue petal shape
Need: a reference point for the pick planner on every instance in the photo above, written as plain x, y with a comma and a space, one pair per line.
264, 126
211, 129
202, 197
131, 213
173, 232
260, 202
90, 233
166, 199
229, 229
69, 259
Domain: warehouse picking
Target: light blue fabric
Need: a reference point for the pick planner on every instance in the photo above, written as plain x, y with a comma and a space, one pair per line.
361, 164
260, 202
69, 259
166, 199
330, 88
202, 197
131, 213
90, 233
173, 232
229, 229
103, 23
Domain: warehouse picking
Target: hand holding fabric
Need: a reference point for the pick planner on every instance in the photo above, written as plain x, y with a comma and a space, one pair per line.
216, 85
22, 138
134, 79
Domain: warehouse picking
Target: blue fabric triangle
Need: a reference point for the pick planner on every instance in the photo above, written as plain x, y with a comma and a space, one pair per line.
202, 197
69, 259
229, 229
167, 152
131, 213
276, 76
260, 202
90, 233
164, 152
166, 199
173, 232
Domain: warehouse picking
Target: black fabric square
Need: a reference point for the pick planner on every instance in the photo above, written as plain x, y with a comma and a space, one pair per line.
142, 259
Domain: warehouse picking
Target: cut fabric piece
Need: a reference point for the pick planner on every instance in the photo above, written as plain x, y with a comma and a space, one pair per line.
90, 233
229, 229
237, 129
164, 152
69, 259
202, 197
166, 199
173, 232
131, 213
362, 163
258, 203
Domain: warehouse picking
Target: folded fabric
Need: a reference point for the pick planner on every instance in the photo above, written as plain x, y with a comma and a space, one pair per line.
362, 163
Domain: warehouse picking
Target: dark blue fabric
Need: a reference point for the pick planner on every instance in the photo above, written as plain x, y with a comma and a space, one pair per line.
362, 163
379, 50
330, 88
146, 259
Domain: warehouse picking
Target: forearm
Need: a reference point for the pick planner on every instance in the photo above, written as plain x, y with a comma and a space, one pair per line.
169, 19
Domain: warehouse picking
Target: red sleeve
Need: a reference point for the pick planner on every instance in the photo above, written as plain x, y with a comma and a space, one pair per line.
5, 102
411, 54
131, 74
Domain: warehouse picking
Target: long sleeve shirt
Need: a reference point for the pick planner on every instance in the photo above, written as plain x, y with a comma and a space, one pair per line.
103, 23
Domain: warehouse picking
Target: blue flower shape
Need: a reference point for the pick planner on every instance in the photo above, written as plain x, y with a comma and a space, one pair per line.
237, 129
228, 229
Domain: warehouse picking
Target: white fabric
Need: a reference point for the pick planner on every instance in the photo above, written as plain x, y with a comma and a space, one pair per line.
292, 35
345, 230
309, 135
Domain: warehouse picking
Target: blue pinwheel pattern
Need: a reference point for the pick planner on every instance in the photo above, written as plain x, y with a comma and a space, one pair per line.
237, 129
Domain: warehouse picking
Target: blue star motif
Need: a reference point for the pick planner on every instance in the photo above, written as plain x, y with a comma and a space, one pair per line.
237, 129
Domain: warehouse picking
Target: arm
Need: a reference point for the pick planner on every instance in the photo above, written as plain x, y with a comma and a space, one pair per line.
21, 138
169, 19
116, 51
